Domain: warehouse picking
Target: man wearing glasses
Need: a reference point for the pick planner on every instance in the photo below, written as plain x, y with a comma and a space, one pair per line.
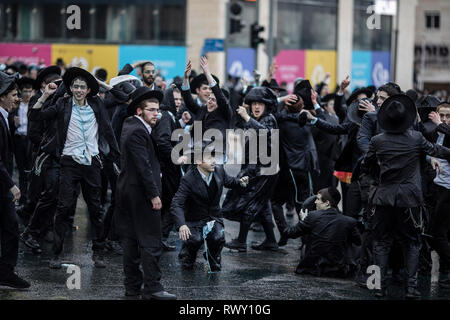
83, 131
139, 189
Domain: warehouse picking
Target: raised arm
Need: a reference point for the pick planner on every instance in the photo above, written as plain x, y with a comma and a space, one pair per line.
186, 91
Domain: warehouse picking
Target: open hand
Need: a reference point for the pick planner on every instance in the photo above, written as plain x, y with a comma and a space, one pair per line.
187, 71
435, 118
244, 181
184, 232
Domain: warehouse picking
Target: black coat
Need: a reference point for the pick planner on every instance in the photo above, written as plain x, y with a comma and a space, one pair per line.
297, 143
330, 235
399, 157
61, 111
139, 181
219, 119
192, 202
6, 158
327, 144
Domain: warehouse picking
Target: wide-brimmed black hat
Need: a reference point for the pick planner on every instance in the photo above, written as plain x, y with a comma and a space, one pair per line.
141, 94
356, 93
354, 114
5, 81
264, 95
273, 84
101, 74
24, 81
74, 72
425, 105
303, 89
44, 73
327, 98
397, 113
198, 80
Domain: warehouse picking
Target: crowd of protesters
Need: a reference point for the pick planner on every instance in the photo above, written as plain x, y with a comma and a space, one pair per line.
67, 130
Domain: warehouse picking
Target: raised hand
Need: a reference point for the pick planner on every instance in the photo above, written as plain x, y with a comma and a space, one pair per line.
313, 96
187, 71
435, 118
344, 84
204, 64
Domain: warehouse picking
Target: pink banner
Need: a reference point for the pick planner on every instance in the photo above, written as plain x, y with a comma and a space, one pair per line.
26, 52
291, 65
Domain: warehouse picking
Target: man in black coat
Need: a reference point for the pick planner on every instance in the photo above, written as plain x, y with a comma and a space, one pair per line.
394, 159
9, 192
196, 204
138, 215
83, 131
328, 237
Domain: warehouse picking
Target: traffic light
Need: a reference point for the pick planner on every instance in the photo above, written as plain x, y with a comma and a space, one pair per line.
255, 39
236, 24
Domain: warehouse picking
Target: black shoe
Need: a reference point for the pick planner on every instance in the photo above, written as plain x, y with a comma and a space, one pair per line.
265, 245
380, 293
98, 261
257, 227
213, 263
160, 295
132, 292
14, 281
413, 293
114, 247
166, 246
55, 263
236, 245
29, 241
283, 240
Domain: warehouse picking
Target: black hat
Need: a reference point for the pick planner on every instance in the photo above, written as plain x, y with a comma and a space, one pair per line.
13, 67
425, 105
412, 94
74, 72
356, 93
25, 80
328, 97
273, 84
198, 80
44, 73
397, 113
5, 81
264, 95
141, 94
303, 89
354, 114
101, 74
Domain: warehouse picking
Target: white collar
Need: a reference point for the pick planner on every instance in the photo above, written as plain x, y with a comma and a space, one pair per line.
149, 128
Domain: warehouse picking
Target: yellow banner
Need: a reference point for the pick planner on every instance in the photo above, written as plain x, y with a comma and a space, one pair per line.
88, 57
318, 63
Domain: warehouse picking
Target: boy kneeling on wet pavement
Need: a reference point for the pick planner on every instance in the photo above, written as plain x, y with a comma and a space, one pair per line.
330, 235
196, 210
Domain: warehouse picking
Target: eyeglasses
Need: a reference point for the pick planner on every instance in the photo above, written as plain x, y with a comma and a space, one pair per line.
212, 99
79, 87
153, 110
149, 71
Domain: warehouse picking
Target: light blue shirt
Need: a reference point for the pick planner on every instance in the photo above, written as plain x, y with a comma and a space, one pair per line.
443, 179
207, 180
5, 116
23, 119
82, 135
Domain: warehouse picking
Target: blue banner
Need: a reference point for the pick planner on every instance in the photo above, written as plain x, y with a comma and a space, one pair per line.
381, 68
361, 69
170, 60
241, 62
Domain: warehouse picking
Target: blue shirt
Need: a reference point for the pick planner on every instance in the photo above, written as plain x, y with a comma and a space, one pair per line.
443, 179
207, 180
82, 135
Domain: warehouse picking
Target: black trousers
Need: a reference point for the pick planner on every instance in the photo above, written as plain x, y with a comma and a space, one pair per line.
403, 224
22, 154
133, 256
440, 228
214, 240
109, 231
43, 215
290, 183
326, 178
71, 175
9, 234
170, 181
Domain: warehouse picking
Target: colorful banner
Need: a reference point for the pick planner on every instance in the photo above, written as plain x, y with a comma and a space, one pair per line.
88, 56
171, 60
29, 53
291, 65
370, 68
361, 69
241, 62
318, 63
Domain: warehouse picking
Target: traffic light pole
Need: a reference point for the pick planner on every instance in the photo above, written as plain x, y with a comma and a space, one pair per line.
270, 42
225, 41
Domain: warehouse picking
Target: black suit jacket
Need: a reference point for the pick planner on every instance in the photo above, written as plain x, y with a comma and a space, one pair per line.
191, 202
61, 111
6, 158
139, 181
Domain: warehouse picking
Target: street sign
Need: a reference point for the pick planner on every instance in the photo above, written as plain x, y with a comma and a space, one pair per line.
212, 45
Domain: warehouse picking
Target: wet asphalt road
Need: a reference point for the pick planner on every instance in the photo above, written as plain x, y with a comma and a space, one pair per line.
252, 275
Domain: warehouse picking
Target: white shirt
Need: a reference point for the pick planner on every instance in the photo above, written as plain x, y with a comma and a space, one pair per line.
5, 115
23, 119
443, 179
149, 128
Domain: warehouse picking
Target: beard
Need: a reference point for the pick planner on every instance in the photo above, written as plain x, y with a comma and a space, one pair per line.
148, 81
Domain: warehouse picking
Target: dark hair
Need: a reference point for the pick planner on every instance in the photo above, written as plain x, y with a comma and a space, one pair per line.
26, 85
11, 87
146, 63
332, 195
176, 90
390, 88
51, 77
143, 103
78, 78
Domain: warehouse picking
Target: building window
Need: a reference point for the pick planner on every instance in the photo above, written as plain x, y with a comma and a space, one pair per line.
432, 20
8, 21
307, 25
51, 20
